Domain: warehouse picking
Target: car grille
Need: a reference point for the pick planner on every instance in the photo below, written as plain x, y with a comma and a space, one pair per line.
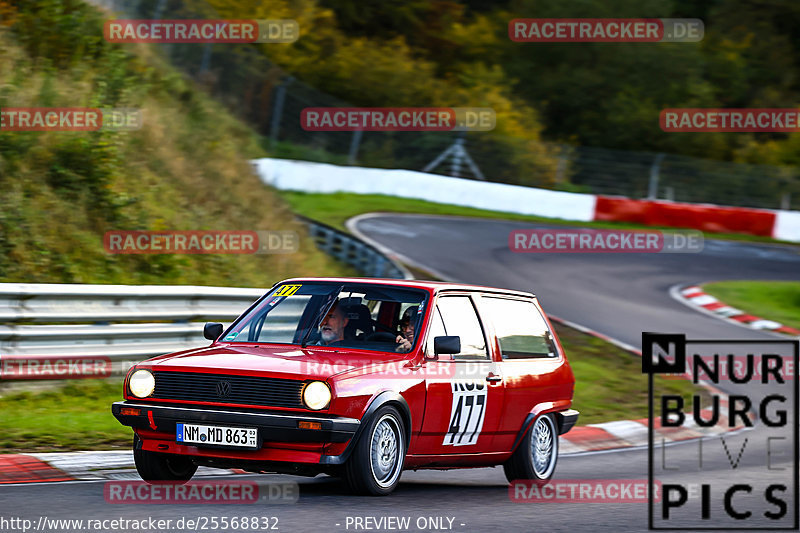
224, 388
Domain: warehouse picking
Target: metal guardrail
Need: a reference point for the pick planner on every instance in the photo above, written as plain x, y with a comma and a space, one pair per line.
127, 323
122, 323
352, 251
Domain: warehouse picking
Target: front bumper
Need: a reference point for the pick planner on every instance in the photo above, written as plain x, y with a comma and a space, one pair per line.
272, 427
566, 419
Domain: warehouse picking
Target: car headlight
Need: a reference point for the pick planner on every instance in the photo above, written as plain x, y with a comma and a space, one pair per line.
142, 383
316, 395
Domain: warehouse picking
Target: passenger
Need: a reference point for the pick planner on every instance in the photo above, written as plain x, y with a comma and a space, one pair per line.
406, 338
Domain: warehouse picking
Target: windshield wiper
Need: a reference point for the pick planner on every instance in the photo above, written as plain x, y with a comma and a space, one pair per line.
324, 311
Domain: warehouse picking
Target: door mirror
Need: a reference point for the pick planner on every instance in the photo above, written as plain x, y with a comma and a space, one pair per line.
212, 330
450, 344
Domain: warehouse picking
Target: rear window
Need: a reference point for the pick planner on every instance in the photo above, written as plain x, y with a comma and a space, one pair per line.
520, 328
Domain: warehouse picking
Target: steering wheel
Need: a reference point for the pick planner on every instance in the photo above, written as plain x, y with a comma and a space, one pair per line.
381, 336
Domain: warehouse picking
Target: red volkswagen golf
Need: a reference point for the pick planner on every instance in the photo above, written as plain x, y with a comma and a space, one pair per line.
359, 378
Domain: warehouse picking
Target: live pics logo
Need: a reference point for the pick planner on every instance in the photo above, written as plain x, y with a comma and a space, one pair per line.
739, 468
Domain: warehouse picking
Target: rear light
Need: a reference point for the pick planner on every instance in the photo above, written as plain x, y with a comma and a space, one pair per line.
130, 411
309, 425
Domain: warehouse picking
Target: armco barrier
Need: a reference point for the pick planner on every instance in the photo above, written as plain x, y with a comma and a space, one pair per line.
120, 322
129, 323
352, 251
325, 178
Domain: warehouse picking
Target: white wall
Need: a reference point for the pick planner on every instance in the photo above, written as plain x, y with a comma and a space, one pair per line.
324, 178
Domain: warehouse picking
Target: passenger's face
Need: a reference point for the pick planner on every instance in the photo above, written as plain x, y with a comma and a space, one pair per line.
408, 331
332, 327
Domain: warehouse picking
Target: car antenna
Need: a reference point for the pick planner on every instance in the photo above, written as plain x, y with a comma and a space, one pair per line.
321, 315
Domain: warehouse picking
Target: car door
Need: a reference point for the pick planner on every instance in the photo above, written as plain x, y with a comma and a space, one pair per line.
528, 359
462, 408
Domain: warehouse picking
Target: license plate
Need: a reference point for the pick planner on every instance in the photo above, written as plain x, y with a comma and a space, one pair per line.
217, 435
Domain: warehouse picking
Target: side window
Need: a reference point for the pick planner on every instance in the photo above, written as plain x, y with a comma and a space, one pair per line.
437, 330
520, 328
459, 318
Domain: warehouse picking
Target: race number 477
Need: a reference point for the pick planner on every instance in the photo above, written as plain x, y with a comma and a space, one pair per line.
466, 414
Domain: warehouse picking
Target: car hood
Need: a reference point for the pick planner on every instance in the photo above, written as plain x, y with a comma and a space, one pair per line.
289, 362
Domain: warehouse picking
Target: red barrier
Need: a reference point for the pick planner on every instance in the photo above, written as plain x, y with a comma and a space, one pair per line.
709, 218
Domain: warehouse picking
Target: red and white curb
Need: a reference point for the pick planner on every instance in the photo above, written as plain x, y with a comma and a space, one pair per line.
634, 433
119, 465
81, 466
694, 296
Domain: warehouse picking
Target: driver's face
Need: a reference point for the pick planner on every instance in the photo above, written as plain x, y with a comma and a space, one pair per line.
332, 327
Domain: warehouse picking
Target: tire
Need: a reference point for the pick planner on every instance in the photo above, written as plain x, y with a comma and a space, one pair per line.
154, 467
536, 456
376, 463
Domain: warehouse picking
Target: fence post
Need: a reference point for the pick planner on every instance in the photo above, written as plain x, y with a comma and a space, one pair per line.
786, 201
159, 10
355, 143
652, 192
277, 113
458, 157
205, 62
561, 168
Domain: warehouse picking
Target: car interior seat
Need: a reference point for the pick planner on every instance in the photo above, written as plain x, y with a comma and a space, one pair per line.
359, 323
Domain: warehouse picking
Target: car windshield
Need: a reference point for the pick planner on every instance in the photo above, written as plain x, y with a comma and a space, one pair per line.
370, 317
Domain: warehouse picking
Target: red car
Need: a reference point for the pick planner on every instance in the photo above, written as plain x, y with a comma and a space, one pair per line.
359, 378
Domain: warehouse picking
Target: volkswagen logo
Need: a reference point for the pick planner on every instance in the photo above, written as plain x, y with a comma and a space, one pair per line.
223, 389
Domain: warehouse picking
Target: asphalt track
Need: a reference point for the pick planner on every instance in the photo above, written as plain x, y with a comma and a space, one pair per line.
620, 295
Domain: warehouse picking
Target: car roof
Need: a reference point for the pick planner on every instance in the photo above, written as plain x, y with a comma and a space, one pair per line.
431, 286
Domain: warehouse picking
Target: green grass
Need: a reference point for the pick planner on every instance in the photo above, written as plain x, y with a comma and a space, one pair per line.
773, 300
334, 209
609, 384
77, 416
187, 168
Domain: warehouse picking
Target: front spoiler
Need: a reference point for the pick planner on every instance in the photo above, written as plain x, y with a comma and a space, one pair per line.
275, 427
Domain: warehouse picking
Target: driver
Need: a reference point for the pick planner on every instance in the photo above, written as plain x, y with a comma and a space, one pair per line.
332, 326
